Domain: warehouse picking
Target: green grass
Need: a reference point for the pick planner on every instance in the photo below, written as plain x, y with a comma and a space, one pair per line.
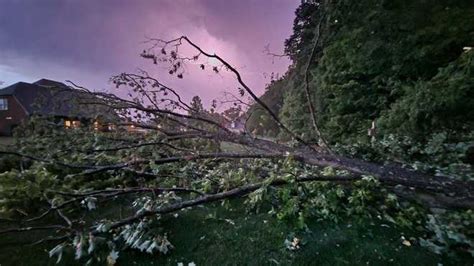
236, 238
218, 236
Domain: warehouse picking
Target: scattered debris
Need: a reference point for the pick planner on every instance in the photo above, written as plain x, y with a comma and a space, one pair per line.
112, 257
274, 261
229, 221
189, 264
294, 244
405, 242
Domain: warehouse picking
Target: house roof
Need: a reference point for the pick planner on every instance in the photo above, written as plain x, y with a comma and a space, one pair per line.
52, 98
49, 83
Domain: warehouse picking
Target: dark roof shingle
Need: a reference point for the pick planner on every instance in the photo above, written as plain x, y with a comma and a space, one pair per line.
52, 98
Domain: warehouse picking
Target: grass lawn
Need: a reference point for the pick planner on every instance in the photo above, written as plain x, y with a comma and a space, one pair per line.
219, 236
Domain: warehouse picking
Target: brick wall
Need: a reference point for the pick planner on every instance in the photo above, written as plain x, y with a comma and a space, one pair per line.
11, 117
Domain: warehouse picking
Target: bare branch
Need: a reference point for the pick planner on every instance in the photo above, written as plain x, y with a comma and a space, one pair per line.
178, 41
307, 90
29, 229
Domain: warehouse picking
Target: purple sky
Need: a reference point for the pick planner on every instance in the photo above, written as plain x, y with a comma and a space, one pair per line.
88, 41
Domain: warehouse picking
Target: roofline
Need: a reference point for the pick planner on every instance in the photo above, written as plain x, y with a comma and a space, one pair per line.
14, 84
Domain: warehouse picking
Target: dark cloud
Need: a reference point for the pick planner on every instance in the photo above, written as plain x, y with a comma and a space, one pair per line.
90, 40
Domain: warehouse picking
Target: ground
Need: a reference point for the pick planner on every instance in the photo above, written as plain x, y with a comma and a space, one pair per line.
234, 236
5, 141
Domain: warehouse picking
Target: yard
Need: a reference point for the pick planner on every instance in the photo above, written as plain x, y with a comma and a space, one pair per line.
231, 236
5, 141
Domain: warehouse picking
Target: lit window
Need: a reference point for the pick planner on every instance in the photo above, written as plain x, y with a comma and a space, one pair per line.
96, 125
67, 123
76, 124
3, 104
8, 118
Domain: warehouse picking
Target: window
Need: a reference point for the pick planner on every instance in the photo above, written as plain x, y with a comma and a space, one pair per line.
76, 124
3, 104
112, 127
96, 125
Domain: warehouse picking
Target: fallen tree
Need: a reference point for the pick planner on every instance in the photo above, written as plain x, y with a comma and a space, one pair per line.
460, 192
178, 134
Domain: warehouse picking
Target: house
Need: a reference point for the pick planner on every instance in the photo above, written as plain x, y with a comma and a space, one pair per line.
51, 99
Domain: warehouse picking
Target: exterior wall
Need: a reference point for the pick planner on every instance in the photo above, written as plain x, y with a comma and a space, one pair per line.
11, 117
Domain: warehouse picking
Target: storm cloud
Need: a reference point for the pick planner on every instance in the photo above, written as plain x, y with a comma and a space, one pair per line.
89, 41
